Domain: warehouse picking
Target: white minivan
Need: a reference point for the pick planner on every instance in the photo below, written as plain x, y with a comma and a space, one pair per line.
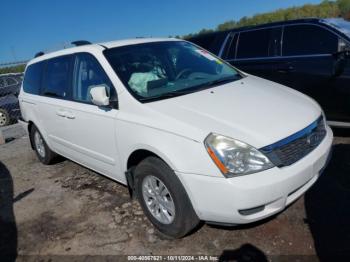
192, 137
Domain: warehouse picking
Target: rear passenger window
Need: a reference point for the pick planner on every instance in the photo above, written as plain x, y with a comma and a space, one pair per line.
308, 40
253, 44
87, 73
32, 78
57, 82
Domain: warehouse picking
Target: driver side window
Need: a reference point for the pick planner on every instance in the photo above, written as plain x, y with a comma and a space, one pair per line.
88, 73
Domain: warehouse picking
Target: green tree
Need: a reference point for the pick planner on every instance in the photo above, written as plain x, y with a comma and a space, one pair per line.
344, 6
12, 69
325, 9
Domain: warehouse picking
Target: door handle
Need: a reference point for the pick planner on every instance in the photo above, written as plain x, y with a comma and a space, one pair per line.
70, 115
61, 113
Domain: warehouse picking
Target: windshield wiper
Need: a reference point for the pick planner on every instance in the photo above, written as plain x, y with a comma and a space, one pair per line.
166, 95
222, 80
216, 82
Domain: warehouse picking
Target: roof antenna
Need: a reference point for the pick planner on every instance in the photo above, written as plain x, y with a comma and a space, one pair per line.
39, 54
80, 43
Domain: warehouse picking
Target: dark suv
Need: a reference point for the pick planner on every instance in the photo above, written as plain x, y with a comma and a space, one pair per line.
310, 55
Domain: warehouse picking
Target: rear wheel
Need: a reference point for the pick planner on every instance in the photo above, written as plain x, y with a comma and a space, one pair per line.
44, 153
163, 198
4, 117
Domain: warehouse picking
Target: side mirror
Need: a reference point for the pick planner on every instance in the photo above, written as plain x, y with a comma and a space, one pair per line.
99, 95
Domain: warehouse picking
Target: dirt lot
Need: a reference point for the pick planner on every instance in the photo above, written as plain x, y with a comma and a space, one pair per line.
66, 209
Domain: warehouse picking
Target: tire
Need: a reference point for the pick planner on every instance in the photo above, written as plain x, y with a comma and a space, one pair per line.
184, 218
4, 117
43, 152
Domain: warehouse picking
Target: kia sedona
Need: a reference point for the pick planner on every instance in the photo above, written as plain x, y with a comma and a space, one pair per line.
192, 137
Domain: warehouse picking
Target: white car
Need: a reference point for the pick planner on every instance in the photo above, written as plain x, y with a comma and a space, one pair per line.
192, 137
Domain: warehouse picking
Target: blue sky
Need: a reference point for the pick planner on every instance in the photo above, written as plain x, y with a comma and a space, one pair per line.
30, 26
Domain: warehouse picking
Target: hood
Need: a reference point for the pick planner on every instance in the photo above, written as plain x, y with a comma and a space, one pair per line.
253, 110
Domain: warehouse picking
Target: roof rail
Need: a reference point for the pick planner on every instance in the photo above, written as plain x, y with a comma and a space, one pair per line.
39, 54
81, 42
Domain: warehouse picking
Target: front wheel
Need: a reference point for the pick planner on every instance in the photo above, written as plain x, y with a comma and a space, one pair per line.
163, 198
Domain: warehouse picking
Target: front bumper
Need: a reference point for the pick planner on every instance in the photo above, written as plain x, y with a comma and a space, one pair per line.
221, 200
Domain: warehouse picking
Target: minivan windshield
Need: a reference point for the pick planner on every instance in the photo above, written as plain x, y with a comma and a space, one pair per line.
158, 70
339, 24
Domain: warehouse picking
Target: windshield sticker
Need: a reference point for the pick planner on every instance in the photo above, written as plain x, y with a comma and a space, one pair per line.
206, 54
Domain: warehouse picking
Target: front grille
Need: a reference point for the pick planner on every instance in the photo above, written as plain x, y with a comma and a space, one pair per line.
293, 148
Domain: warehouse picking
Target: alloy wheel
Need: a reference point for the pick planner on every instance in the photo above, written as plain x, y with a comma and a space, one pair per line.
3, 118
158, 199
39, 144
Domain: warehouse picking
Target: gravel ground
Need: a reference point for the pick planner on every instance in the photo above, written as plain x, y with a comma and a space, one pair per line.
67, 211
12, 132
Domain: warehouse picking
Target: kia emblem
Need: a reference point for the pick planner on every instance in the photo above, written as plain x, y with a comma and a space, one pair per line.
312, 139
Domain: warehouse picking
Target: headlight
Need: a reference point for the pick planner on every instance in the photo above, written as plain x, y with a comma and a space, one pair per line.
235, 158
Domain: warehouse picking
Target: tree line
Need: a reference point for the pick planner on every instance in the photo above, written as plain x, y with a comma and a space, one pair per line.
12, 69
326, 9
